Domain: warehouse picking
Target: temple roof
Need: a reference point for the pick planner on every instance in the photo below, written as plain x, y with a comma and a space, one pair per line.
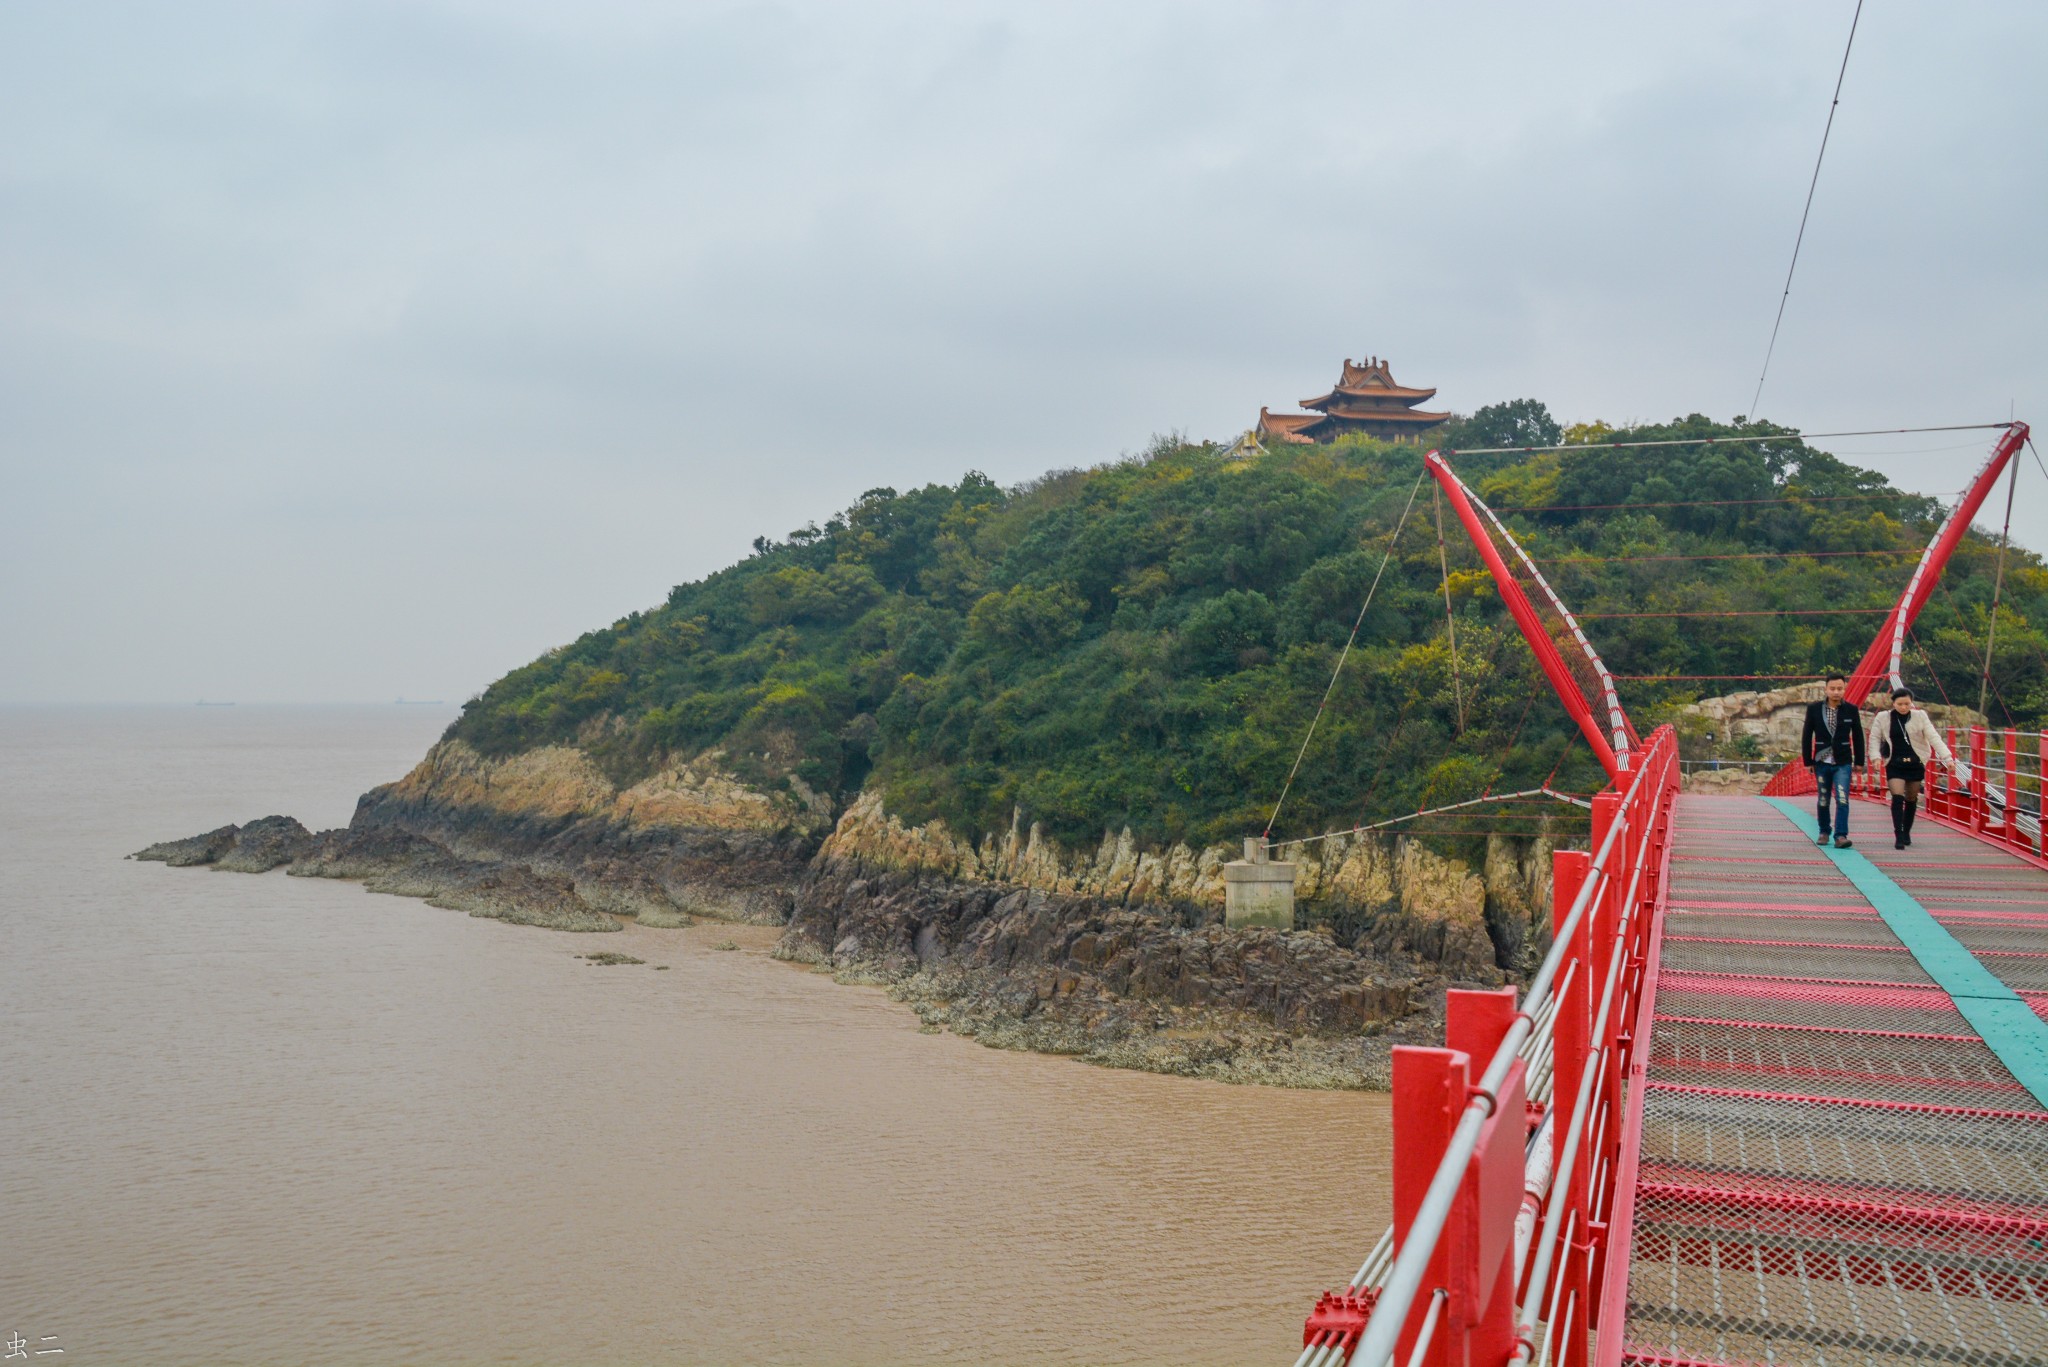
1365, 399
1287, 426
1415, 415
1373, 380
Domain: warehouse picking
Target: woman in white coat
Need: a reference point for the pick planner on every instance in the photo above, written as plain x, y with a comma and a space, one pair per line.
1906, 740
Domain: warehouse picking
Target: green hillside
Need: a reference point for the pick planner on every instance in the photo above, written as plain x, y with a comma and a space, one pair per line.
1142, 642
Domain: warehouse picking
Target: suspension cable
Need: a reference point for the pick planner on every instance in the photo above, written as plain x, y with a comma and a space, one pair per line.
1742, 555
1344, 655
1913, 632
1379, 772
1997, 588
1436, 495
1767, 612
1666, 678
1526, 794
1811, 185
1787, 435
1955, 607
1521, 722
1789, 496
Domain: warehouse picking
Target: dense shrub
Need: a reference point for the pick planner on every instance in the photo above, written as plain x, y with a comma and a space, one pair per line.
1144, 642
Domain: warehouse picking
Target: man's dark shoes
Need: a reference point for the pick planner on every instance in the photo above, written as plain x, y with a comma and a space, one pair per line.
1843, 842
1898, 842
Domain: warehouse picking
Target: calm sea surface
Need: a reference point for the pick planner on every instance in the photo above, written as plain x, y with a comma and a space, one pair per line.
279, 1120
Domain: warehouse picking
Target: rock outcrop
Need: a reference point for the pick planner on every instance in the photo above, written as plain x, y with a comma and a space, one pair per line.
543, 838
1120, 955
1776, 717
1142, 988
193, 849
1402, 896
265, 844
1117, 954
1731, 781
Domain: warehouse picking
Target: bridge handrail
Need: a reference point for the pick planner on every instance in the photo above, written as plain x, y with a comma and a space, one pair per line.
2000, 804
1640, 818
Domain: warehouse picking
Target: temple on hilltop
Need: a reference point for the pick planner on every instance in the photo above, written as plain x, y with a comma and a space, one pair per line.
1365, 400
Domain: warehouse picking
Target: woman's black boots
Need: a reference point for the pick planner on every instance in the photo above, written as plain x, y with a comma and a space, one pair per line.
1906, 833
1900, 820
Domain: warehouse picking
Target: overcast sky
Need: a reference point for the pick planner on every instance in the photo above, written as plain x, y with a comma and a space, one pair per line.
351, 351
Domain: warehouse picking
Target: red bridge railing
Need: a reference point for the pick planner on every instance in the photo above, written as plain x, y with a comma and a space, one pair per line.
1514, 1179
2000, 804
1513, 1151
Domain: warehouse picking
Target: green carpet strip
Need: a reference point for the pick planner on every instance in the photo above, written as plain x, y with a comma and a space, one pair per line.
2006, 1023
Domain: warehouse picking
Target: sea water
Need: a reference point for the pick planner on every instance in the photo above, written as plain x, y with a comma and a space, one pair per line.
280, 1120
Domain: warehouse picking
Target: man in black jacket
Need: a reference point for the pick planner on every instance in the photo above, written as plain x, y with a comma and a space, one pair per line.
1832, 746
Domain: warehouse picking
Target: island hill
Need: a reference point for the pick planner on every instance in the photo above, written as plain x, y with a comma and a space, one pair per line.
990, 746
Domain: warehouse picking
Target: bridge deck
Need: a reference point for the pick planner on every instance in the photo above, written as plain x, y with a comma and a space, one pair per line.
1835, 1168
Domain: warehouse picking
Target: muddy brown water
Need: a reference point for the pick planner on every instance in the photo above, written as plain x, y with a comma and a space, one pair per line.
279, 1120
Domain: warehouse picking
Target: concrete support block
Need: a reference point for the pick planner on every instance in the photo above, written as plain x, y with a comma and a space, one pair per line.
1256, 891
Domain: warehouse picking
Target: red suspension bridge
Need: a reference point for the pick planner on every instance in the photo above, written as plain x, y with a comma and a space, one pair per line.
1764, 1101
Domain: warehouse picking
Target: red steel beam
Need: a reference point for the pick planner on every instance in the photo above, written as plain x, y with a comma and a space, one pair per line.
1877, 662
1552, 663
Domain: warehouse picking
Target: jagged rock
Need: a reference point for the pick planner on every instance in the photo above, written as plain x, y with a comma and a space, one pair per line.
1518, 882
193, 849
1729, 782
544, 839
1115, 952
1159, 988
266, 844
524, 898
1775, 718
1404, 897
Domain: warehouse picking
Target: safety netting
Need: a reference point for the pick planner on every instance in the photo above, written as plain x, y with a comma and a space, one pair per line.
1833, 1167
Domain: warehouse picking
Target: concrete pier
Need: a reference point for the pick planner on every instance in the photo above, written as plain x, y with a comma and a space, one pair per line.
1257, 891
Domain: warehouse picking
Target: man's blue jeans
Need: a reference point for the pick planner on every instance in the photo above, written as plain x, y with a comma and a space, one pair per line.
1834, 778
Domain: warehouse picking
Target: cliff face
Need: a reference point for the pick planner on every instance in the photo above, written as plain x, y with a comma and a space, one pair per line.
1120, 955
1117, 954
1393, 895
1155, 989
543, 838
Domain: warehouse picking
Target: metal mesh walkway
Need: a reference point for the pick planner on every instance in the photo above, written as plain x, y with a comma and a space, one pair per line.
1834, 1168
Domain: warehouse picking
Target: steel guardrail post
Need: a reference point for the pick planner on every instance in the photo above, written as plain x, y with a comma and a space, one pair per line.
1980, 805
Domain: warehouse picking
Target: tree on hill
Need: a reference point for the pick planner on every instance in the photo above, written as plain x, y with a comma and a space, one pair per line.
1517, 422
1143, 642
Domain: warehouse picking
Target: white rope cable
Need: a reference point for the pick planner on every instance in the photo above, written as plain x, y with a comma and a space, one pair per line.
2012, 486
1363, 608
1806, 212
1721, 441
1899, 623
1617, 720
1433, 811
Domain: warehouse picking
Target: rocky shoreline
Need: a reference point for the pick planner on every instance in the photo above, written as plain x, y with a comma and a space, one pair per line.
1116, 956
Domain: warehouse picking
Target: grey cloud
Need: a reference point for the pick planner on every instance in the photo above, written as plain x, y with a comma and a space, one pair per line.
429, 335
